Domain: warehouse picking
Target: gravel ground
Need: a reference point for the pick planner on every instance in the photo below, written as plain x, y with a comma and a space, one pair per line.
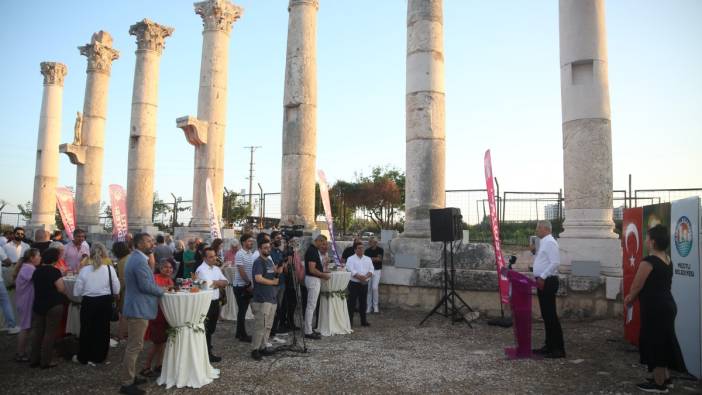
394, 355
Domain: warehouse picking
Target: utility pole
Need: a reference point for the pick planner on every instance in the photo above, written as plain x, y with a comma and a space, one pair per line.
251, 169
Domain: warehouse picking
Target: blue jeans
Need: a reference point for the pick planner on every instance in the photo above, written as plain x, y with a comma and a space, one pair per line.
6, 307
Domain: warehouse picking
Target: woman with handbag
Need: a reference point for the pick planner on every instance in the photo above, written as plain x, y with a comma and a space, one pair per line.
97, 283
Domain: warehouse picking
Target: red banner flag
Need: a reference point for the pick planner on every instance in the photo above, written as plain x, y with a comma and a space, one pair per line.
632, 253
499, 259
64, 201
118, 201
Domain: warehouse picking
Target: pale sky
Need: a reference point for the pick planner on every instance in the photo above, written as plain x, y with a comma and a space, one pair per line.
502, 90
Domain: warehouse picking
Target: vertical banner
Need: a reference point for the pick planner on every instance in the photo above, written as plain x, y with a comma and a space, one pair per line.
215, 232
324, 192
118, 203
64, 201
632, 252
685, 258
499, 259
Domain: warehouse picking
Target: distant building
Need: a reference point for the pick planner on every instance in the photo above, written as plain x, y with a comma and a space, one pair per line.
618, 213
551, 212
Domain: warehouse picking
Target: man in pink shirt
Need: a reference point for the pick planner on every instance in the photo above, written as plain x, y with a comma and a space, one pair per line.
76, 250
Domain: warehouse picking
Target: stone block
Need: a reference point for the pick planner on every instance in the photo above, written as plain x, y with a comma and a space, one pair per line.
583, 283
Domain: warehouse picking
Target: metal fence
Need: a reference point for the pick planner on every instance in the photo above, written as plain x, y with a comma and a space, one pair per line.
12, 219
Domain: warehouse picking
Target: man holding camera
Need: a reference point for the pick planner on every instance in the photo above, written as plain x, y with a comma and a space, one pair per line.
279, 259
314, 274
266, 277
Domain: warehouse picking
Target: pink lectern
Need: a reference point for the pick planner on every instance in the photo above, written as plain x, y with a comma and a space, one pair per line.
520, 301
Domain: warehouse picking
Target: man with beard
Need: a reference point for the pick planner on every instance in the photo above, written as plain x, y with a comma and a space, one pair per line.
266, 276
140, 305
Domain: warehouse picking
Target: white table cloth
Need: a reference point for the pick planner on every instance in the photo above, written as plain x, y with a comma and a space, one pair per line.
73, 317
186, 362
333, 310
229, 310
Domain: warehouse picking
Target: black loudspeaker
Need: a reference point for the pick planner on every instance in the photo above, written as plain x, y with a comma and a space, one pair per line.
446, 224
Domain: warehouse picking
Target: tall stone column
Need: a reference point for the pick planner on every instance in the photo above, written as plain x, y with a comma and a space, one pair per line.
87, 150
150, 39
300, 116
206, 132
587, 138
425, 116
47, 165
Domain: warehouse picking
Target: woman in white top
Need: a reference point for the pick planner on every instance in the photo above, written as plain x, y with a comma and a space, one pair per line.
93, 284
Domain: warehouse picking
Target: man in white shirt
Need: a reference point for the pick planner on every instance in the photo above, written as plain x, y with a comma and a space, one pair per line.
361, 268
74, 252
14, 250
546, 265
209, 271
243, 286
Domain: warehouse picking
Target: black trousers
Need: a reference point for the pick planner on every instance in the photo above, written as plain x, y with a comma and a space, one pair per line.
94, 340
358, 296
243, 298
211, 323
547, 303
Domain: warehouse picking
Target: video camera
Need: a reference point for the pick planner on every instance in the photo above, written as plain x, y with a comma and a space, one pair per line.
290, 231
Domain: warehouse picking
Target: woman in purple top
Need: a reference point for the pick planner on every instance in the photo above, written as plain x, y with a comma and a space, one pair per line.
24, 298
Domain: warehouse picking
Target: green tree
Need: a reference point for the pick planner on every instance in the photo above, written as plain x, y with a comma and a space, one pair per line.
235, 210
25, 210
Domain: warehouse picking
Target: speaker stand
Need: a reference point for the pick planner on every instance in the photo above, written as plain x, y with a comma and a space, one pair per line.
448, 301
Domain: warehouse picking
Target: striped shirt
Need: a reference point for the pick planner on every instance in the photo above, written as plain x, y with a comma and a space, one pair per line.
243, 259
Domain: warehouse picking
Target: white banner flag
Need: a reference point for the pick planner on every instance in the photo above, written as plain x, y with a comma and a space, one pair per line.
215, 232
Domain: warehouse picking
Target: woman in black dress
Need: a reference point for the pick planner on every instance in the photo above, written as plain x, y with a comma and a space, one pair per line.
658, 345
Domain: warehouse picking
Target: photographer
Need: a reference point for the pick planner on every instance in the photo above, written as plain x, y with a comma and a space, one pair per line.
280, 260
266, 277
243, 287
314, 273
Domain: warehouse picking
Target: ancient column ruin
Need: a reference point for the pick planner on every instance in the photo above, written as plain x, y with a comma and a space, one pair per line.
150, 39
87, 149
587, 138
47, 165
425, 116
206, 132
300, 116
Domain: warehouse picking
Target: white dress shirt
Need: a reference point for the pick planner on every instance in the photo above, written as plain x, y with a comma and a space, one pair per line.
93, 283
359, 265
72, 254
547, 258
15, 251
212, 273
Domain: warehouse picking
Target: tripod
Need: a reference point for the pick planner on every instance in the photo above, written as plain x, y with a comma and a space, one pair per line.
448, 301
298, 316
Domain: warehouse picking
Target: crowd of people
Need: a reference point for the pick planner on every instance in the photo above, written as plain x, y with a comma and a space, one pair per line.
267, 274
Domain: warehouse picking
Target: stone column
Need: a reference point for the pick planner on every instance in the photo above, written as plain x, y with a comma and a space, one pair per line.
87, 149
47, 166
206, 132
300, 116
150, 39
425, 115
587, 139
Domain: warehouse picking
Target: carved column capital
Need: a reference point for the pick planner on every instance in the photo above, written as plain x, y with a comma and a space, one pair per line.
314, 3
100, 53
53, 73
150, 36
218, 14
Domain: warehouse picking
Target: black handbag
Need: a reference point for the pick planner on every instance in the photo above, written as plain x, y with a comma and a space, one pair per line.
114, 313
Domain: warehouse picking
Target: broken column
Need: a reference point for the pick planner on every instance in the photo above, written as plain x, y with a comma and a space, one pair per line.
300, 116
150, 39
425, 116
206, 132
87, 149
47, 164
587, 139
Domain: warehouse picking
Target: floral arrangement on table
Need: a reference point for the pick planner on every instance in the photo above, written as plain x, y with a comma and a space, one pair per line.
341, 294
197, 327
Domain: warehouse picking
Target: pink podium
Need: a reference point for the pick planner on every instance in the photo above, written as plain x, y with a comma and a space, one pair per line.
520, 301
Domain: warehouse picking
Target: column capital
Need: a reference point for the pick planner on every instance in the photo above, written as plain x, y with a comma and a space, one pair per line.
150, 36
100, 53
195, 130
314, 3
218, 14
53, 73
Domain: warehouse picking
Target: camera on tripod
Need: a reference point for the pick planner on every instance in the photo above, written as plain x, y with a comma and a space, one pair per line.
290, 231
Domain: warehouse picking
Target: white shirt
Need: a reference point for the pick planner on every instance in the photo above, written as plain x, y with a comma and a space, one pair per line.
3, 240
212, 273
359, 265
547, 258
91, 282
15, 251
